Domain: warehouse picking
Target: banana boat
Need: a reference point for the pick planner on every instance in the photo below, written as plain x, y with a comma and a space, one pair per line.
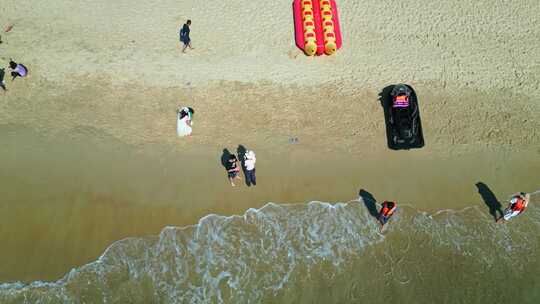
316, 26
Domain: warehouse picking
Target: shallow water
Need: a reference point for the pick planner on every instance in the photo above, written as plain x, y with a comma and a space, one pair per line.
67, 198
312, 253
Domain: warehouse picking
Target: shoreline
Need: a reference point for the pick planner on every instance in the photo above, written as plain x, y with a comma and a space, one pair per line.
75, 210
89, 154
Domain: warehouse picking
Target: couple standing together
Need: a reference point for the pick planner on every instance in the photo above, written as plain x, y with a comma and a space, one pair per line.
248, 164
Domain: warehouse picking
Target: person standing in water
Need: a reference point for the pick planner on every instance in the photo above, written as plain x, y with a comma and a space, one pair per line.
184, 36
517, 205
233, 169
249, 163
386, 212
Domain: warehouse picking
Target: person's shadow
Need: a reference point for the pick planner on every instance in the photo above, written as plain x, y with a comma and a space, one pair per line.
225, 158
241, 152
490, 200
369, 202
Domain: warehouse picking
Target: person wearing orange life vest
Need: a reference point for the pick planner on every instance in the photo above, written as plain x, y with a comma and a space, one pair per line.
386, 212
517, 205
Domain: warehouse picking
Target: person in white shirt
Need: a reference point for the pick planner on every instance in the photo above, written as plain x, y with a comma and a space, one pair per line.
249, 163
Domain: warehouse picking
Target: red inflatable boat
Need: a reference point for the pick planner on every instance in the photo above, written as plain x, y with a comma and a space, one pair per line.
316, 26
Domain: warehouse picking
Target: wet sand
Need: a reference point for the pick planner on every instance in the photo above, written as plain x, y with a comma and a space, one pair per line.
89, 153
112, 167
69, 197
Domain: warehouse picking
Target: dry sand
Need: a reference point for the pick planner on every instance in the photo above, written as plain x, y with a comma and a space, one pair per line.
112, 71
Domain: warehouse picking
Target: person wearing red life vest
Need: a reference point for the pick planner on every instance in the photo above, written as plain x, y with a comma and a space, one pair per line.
386, 212
517, 205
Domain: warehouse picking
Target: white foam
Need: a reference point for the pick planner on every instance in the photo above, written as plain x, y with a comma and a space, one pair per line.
265, 247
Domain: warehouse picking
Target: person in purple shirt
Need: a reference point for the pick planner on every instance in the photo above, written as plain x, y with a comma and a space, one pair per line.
19, 70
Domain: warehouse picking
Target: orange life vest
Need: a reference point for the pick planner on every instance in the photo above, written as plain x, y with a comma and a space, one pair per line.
386, 211
519, 205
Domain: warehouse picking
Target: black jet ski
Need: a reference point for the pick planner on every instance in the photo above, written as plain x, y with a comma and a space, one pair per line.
404, 129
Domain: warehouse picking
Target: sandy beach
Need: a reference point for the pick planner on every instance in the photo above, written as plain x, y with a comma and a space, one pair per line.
89, 152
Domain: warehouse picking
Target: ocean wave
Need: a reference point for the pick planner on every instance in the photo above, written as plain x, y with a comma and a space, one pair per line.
267, 251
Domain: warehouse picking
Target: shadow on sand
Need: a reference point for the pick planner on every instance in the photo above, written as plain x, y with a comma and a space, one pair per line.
370, 202
241, 153
225, 158
386, 102
490, 200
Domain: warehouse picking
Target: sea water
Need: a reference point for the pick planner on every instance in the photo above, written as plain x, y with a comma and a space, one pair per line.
313, 253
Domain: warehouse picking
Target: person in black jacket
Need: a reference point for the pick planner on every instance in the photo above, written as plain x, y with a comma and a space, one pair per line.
184, 36
232, 169
2, 83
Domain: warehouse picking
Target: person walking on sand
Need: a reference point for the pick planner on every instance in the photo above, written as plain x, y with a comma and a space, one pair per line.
18, 69
184, 121
517, 205
184, 36
386, 212
249, 163
233, 169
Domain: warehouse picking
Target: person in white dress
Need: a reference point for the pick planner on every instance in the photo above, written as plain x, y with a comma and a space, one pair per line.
184, 121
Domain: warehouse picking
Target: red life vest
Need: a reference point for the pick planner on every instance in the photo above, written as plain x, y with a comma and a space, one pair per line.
386, 210
519, 204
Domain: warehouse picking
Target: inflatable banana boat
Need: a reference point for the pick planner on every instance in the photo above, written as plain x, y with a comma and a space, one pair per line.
316, 26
